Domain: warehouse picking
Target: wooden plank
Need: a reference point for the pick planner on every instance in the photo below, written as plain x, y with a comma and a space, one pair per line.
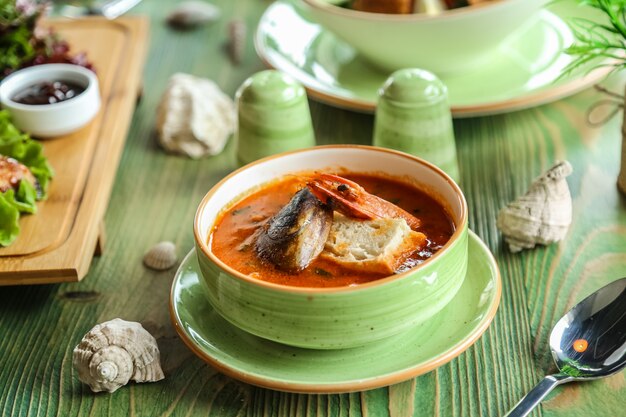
57, 244
101, 242
71, 155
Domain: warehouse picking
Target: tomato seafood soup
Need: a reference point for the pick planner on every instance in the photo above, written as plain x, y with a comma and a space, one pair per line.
322, 230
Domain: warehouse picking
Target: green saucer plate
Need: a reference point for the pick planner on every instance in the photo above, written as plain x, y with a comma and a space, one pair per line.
271, 365
522, 73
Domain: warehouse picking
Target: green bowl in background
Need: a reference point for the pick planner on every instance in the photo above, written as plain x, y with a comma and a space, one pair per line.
454, 41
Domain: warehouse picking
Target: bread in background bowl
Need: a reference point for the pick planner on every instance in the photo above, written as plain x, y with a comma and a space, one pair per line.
454, 41
339, 317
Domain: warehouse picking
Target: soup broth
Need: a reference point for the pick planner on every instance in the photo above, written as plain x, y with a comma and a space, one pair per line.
233, 229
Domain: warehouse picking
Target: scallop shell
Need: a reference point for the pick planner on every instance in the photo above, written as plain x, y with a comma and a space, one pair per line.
195, 118
161, 256
115, 352
193, 13
542, 215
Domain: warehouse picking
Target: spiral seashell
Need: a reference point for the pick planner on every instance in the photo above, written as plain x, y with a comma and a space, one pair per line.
542, 215
115, 352
161, 256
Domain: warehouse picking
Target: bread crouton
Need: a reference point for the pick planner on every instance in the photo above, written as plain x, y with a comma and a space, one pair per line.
376, 246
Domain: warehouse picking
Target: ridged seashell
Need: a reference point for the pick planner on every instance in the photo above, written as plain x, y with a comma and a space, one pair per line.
161, 256
115, 352
195, 118
193, 13
542, 215
237, 40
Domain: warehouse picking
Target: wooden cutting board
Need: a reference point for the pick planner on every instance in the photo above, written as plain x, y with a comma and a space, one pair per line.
58, 243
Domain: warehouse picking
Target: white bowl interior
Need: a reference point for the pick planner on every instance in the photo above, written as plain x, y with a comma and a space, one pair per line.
50, 120
353, 159
33, 75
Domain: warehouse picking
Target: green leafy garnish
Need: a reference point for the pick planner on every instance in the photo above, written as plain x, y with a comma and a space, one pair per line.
22, 46
9, 218
21, 147
25, 150
599, 40
25, 198
572, 371
16, 49
17, 22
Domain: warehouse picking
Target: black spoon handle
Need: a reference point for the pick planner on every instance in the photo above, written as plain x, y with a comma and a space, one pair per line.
538, 393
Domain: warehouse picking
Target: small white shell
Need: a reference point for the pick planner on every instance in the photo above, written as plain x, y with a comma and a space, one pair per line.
195, 118
161, 256
542, 215
193, 13
115, 352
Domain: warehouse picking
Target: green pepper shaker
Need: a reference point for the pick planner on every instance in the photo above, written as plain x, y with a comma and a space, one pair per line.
273, 116
413, 116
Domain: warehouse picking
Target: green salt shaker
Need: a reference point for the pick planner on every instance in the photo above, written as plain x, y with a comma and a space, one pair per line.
413, 116
273, 116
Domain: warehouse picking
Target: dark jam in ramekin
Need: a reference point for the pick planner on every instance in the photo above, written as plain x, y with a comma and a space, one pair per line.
48, 92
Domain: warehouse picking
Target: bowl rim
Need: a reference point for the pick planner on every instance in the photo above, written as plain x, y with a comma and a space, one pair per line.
412, 17
90, 76
201, 242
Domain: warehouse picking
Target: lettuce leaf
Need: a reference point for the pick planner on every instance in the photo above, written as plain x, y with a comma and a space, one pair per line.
25, 198
16, 48
29, 152
9, 218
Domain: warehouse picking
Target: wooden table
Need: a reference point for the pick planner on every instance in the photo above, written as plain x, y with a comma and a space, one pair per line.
155, 197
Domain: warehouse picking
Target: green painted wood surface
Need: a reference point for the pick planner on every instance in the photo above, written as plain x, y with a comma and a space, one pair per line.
155, 197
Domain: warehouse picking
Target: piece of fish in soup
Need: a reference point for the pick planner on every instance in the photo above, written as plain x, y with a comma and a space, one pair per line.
296, 235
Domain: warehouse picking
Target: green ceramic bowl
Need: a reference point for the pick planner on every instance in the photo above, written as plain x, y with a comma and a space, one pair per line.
454, 41
329, 318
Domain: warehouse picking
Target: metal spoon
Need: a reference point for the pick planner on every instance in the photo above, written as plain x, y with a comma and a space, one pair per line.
111, 9
589, 342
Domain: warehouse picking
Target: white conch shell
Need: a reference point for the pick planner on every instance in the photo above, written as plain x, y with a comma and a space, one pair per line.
195, 117
193, 13
542, 215
161, 256
115, 352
